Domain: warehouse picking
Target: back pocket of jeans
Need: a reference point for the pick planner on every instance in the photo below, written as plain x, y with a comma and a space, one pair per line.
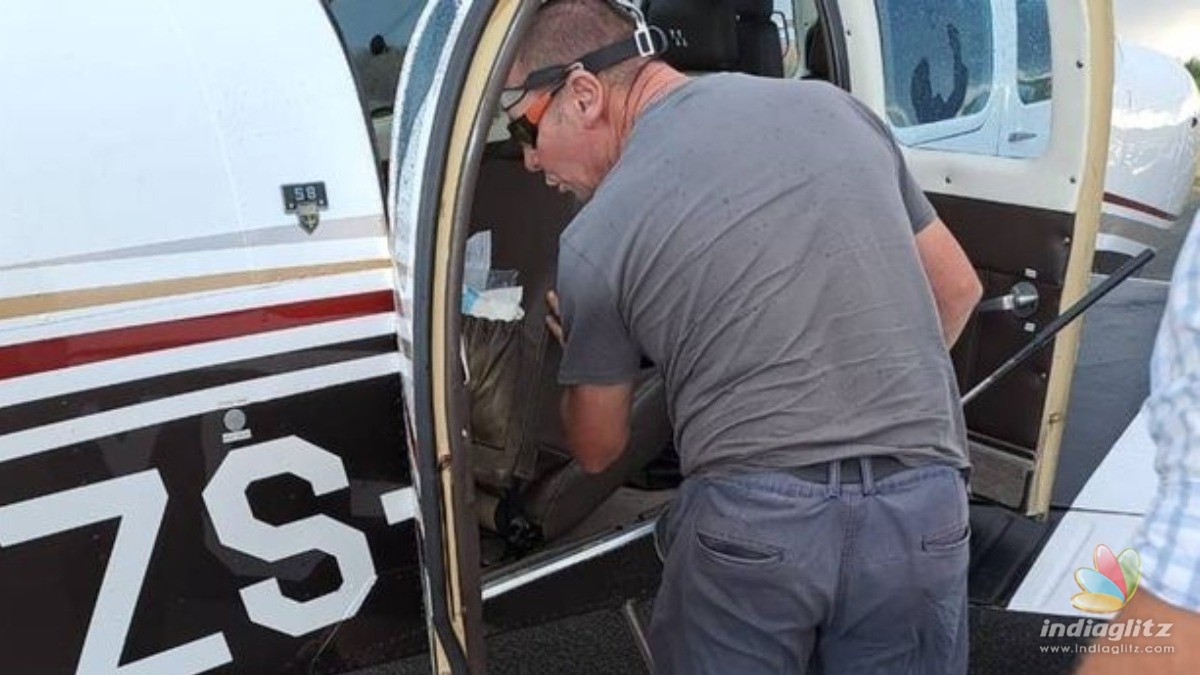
948, 540
738, 552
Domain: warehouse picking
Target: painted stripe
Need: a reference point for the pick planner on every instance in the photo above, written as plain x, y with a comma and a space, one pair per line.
29, 358
88, 275
364, 227
42, 303
1140, 207
155, 364
82, 429
154, 310
39, 412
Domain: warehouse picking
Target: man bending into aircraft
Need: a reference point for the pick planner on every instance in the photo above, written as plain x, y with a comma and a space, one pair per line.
762, 242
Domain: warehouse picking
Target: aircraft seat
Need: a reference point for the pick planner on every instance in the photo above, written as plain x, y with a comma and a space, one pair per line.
521, 465
562, 495
816, 53
760, 51
716, 35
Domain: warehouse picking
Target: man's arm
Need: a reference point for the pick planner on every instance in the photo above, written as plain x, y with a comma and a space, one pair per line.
596, 421
956, 288
595, 416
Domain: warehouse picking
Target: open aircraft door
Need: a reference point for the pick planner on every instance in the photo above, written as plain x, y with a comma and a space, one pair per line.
440, 123
1002, 110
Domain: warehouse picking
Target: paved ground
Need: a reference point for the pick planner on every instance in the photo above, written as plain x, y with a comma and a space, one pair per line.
601, 643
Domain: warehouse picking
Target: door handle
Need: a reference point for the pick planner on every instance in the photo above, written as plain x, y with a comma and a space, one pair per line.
1022, 301
1018, 136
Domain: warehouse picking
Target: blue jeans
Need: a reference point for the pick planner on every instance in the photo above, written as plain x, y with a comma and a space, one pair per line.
770, 573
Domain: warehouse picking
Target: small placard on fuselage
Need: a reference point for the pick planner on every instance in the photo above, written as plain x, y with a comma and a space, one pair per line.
298, 194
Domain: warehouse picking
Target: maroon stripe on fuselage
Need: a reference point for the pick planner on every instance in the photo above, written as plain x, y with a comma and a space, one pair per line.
1138, 206
75, 350
61, 407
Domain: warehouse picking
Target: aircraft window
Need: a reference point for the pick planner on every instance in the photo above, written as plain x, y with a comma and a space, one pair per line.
784, 17
376, 35
937, 59
1033, 51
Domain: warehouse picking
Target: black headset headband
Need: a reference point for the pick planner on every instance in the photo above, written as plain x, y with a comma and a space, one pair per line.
645, 41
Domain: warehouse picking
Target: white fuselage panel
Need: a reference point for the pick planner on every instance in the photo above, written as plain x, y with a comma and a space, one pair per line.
199, 148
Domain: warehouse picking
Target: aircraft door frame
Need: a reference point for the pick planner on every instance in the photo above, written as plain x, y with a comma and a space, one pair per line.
425, 99
445, 102
1047, 208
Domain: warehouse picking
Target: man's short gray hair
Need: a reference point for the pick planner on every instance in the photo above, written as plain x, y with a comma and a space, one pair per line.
564, 30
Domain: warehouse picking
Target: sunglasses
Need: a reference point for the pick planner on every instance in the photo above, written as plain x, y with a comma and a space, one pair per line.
524, 129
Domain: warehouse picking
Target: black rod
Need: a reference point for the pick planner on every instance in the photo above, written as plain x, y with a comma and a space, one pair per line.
1043, 338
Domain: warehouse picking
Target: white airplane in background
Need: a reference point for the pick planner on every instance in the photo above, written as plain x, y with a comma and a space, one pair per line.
1155, 138
244, 425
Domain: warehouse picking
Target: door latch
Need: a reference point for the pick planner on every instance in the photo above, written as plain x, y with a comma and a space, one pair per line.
1022, 301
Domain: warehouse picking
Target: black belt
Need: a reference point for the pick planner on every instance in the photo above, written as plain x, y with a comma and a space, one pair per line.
851, 469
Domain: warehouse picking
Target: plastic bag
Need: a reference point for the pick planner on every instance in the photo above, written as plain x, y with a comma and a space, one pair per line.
477, 263
488, 293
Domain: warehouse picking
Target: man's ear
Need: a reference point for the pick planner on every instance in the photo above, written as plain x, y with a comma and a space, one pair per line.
587, 97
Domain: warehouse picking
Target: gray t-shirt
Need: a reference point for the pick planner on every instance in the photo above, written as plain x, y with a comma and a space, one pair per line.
755, 241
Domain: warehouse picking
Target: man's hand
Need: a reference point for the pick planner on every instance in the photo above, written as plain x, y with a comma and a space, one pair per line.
553, 318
